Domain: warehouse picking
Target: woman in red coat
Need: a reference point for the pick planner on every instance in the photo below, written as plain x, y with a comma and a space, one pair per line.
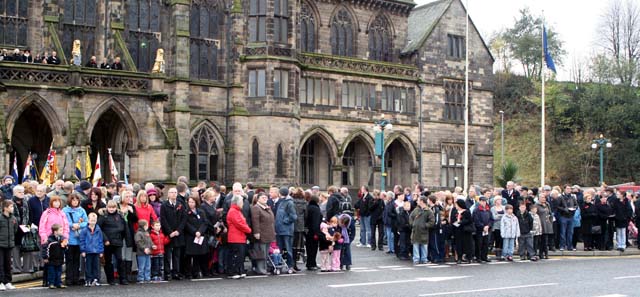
144, 210
237, 237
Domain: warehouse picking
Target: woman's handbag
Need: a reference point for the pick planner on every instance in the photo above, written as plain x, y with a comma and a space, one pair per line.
596, 230
30, 242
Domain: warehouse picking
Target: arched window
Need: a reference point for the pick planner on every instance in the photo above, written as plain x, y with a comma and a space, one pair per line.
79, 22
143, 22
255, 154
13, 22
307, 29
380, 39
205, 23
279, 161
342, 42
203, 160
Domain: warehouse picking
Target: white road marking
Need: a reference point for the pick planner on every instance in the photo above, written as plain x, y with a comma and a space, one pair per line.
206, 279
497, 263
627, 277
471, 264
440, 266
422, 279
297, 274
257, 276
428, 264
403, 268
359, 268
392, 266
489, 289
368, 270
331, 272
612, 295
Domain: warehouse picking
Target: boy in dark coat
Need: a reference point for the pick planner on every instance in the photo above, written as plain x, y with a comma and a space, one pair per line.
53, 256
525, 241
404, 229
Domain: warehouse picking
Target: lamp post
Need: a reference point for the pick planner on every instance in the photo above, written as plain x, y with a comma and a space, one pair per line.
379, 127
502, 138
601, 143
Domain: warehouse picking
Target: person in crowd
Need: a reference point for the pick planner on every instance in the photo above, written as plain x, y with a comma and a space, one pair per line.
117, 65
25, 241
9, 226
323, 204
27, 57
436, 236
144, 244
525, 240
285, 218
114, 230
623, 212
566, 208
589, 215
154, 201
451, 217
421, 221
173, 220
376, 209
105, 64
338, 241
333, 204
53, 215
7, 187
264, 231
388, 219
314, 234
509, 231
464, 232
144, 210
94, 204
53, 250
536, 231
237, 237
497, 212
483, 220
511, 195
53, 59
546, 221
92, 249
348, 230
404, 230
92, 63
159, 240
365, 217
605, 212
128, 212
298, 235
38, 204
326, 245
196, 244
77, 220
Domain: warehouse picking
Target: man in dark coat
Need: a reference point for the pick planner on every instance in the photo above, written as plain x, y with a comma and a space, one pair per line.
312, 224
53, 59
511, 195
333, 204
365, 217
117, 65
38, 204
173, 219
376, 206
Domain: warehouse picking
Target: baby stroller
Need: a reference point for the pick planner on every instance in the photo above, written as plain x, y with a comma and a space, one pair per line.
275, 261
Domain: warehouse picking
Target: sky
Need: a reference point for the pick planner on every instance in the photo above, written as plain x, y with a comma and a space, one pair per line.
576, 22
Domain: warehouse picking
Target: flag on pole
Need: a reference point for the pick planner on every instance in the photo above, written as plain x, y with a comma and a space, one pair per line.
112, 168
78, 171
28, 173
87, 165
97, 173
14, 171
547, 55
50, 171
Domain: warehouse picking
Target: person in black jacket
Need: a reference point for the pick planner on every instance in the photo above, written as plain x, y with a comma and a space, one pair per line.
114, 233
173, 219
365, 217
195, 229
464, 232
436, 236
376, 206
53, 255
511, 195
623, 213
128, 212
525, 241
333, 204
389, 219
92, 63
589, 216
404, 231
312, 224
117, 65
53, 59
483, 221
604, 213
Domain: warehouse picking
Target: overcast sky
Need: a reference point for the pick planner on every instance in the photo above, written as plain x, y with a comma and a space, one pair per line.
575, 21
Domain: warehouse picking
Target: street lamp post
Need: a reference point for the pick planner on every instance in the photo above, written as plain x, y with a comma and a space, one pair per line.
601, 143
502, 138
379, 127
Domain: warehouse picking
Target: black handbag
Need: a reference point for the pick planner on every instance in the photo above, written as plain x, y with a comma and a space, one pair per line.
30, 242
596, 230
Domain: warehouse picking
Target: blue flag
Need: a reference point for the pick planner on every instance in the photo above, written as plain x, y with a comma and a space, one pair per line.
14, 171
547, 55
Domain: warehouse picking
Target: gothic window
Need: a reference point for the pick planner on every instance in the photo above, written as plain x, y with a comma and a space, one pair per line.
13, 22
143, 28
205, 23
281, 84
452, 166
359, 95
257, 83
307, 163
255, 154
203, 160
398, 99
280, 21
380, 40
318, 91
455, 46
349, 162
257, 20
342, 31
79, 22
454, 101
279, 161
307, 29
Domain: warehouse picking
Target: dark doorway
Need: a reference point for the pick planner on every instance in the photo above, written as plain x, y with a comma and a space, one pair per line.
110, 133
31, 134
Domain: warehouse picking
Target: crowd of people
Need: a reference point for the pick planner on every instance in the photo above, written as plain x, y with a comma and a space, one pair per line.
52, 59
138, 235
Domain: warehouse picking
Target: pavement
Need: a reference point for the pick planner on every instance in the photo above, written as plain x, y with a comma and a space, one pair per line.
375, 273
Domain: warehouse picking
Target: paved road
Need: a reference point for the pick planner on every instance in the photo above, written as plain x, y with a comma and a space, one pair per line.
377, 274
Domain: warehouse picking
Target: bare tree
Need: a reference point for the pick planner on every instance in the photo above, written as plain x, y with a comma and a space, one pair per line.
620, 40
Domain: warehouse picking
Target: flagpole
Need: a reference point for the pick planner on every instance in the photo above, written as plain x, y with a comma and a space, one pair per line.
466, 102
542, 123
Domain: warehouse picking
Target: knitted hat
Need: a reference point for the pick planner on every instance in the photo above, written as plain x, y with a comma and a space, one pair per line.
152, 192
85, 185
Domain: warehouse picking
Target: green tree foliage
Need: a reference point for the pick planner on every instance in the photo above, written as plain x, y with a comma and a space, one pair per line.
524, 41
508, 172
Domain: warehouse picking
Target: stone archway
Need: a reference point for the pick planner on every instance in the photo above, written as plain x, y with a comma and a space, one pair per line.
316, 162
398, 165
30, 133
357, 162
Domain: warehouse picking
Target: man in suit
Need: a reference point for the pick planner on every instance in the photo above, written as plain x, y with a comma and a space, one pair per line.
365, 217
511, 195
53, 59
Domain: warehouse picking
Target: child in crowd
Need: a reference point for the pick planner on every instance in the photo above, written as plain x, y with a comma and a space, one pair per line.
525, 241
92, 249
326, 246
338, 242
509, 231
8, 228
53, 255
348, 227
157, 251
144, 244
537, 228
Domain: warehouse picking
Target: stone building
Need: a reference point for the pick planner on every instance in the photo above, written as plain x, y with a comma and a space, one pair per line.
270, 91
